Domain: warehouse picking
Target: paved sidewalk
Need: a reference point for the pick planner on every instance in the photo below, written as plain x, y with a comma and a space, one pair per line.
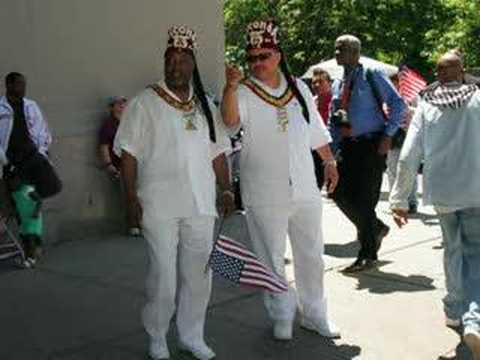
84, 301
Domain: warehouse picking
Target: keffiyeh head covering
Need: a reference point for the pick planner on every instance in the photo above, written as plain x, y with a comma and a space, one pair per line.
453, 97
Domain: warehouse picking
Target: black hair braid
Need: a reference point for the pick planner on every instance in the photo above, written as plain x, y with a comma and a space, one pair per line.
200, 94
292, 84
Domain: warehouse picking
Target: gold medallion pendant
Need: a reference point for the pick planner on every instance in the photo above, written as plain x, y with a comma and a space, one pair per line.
189, 119
282, 119
188, 108
279, 102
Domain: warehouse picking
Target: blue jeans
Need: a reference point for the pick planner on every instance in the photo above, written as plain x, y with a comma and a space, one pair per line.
461, 237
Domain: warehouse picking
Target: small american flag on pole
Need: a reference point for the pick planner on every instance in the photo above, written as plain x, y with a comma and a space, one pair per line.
410, 83
236, 263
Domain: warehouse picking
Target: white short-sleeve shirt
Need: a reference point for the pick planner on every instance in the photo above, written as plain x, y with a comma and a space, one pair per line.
175, 172
276, 166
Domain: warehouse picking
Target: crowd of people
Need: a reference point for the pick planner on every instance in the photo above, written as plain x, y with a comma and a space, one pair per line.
169, 145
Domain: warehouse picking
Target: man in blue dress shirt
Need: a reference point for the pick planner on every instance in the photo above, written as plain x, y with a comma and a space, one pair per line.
362, 136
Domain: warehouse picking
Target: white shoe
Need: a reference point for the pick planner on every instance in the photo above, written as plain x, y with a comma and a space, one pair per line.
199, 351
323, 327
472, 340
29, 263
282, 330
135, 232
452, 322
158, 350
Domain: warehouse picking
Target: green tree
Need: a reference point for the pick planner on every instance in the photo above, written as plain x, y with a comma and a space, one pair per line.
395, 31
461, 30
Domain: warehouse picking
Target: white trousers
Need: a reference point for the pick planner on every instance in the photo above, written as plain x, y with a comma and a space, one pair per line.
178, 251
268, 227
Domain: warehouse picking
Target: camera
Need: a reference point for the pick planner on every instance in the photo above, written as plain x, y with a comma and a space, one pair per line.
340, 119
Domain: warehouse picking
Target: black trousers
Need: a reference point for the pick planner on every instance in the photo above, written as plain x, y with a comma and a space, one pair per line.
39, 172
361, 170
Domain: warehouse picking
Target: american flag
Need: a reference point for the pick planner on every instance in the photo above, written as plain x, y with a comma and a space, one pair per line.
236, 263
410, 83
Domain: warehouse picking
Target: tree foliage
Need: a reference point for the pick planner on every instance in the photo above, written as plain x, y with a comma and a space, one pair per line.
395, 31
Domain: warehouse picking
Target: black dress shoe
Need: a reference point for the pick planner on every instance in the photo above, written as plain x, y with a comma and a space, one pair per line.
412, 209
369, 264
381, 234
360, 265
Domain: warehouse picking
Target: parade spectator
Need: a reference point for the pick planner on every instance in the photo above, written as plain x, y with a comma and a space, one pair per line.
25, 139
362, 139
444, 132
322, 88
110, 162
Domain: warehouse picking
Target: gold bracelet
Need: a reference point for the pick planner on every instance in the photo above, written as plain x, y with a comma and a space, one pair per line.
330, 162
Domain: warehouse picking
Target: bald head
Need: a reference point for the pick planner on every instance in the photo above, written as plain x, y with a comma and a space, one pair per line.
450, 68
347, 50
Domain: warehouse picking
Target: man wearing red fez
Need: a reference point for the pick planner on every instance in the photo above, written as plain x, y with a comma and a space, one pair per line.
172, 148
281, 127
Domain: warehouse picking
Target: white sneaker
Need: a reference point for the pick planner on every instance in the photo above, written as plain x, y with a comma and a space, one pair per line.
158, 350
282, 330
199, 351
472, 339
323, 327
29, 263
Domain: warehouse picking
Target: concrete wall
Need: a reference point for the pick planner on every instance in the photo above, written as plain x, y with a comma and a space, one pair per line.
76, 53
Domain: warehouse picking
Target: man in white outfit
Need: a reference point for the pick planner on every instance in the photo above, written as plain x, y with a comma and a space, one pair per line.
281, 126
168, 140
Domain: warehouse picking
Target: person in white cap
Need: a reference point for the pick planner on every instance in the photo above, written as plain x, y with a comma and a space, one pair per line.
281, 127
171, 148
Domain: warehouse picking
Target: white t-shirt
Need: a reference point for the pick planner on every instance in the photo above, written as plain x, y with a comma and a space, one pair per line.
175, 172
276, 166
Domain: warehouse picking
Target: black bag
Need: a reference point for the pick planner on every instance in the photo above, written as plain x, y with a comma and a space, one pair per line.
39, 172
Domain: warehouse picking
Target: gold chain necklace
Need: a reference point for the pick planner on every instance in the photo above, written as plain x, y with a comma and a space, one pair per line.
185, 106
277, 101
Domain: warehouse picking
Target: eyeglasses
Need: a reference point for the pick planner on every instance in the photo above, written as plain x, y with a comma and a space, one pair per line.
260, 57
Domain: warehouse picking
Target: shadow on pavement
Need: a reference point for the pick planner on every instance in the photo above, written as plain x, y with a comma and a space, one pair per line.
349, 250
8, 266
304, 345
391, 282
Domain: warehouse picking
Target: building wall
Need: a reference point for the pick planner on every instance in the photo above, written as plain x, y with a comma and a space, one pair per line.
77, 53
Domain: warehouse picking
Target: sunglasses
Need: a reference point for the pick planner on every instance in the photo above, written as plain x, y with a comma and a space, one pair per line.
260, 57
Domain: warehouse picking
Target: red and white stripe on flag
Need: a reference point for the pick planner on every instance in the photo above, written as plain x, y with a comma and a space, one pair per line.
410, 83
253, 272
